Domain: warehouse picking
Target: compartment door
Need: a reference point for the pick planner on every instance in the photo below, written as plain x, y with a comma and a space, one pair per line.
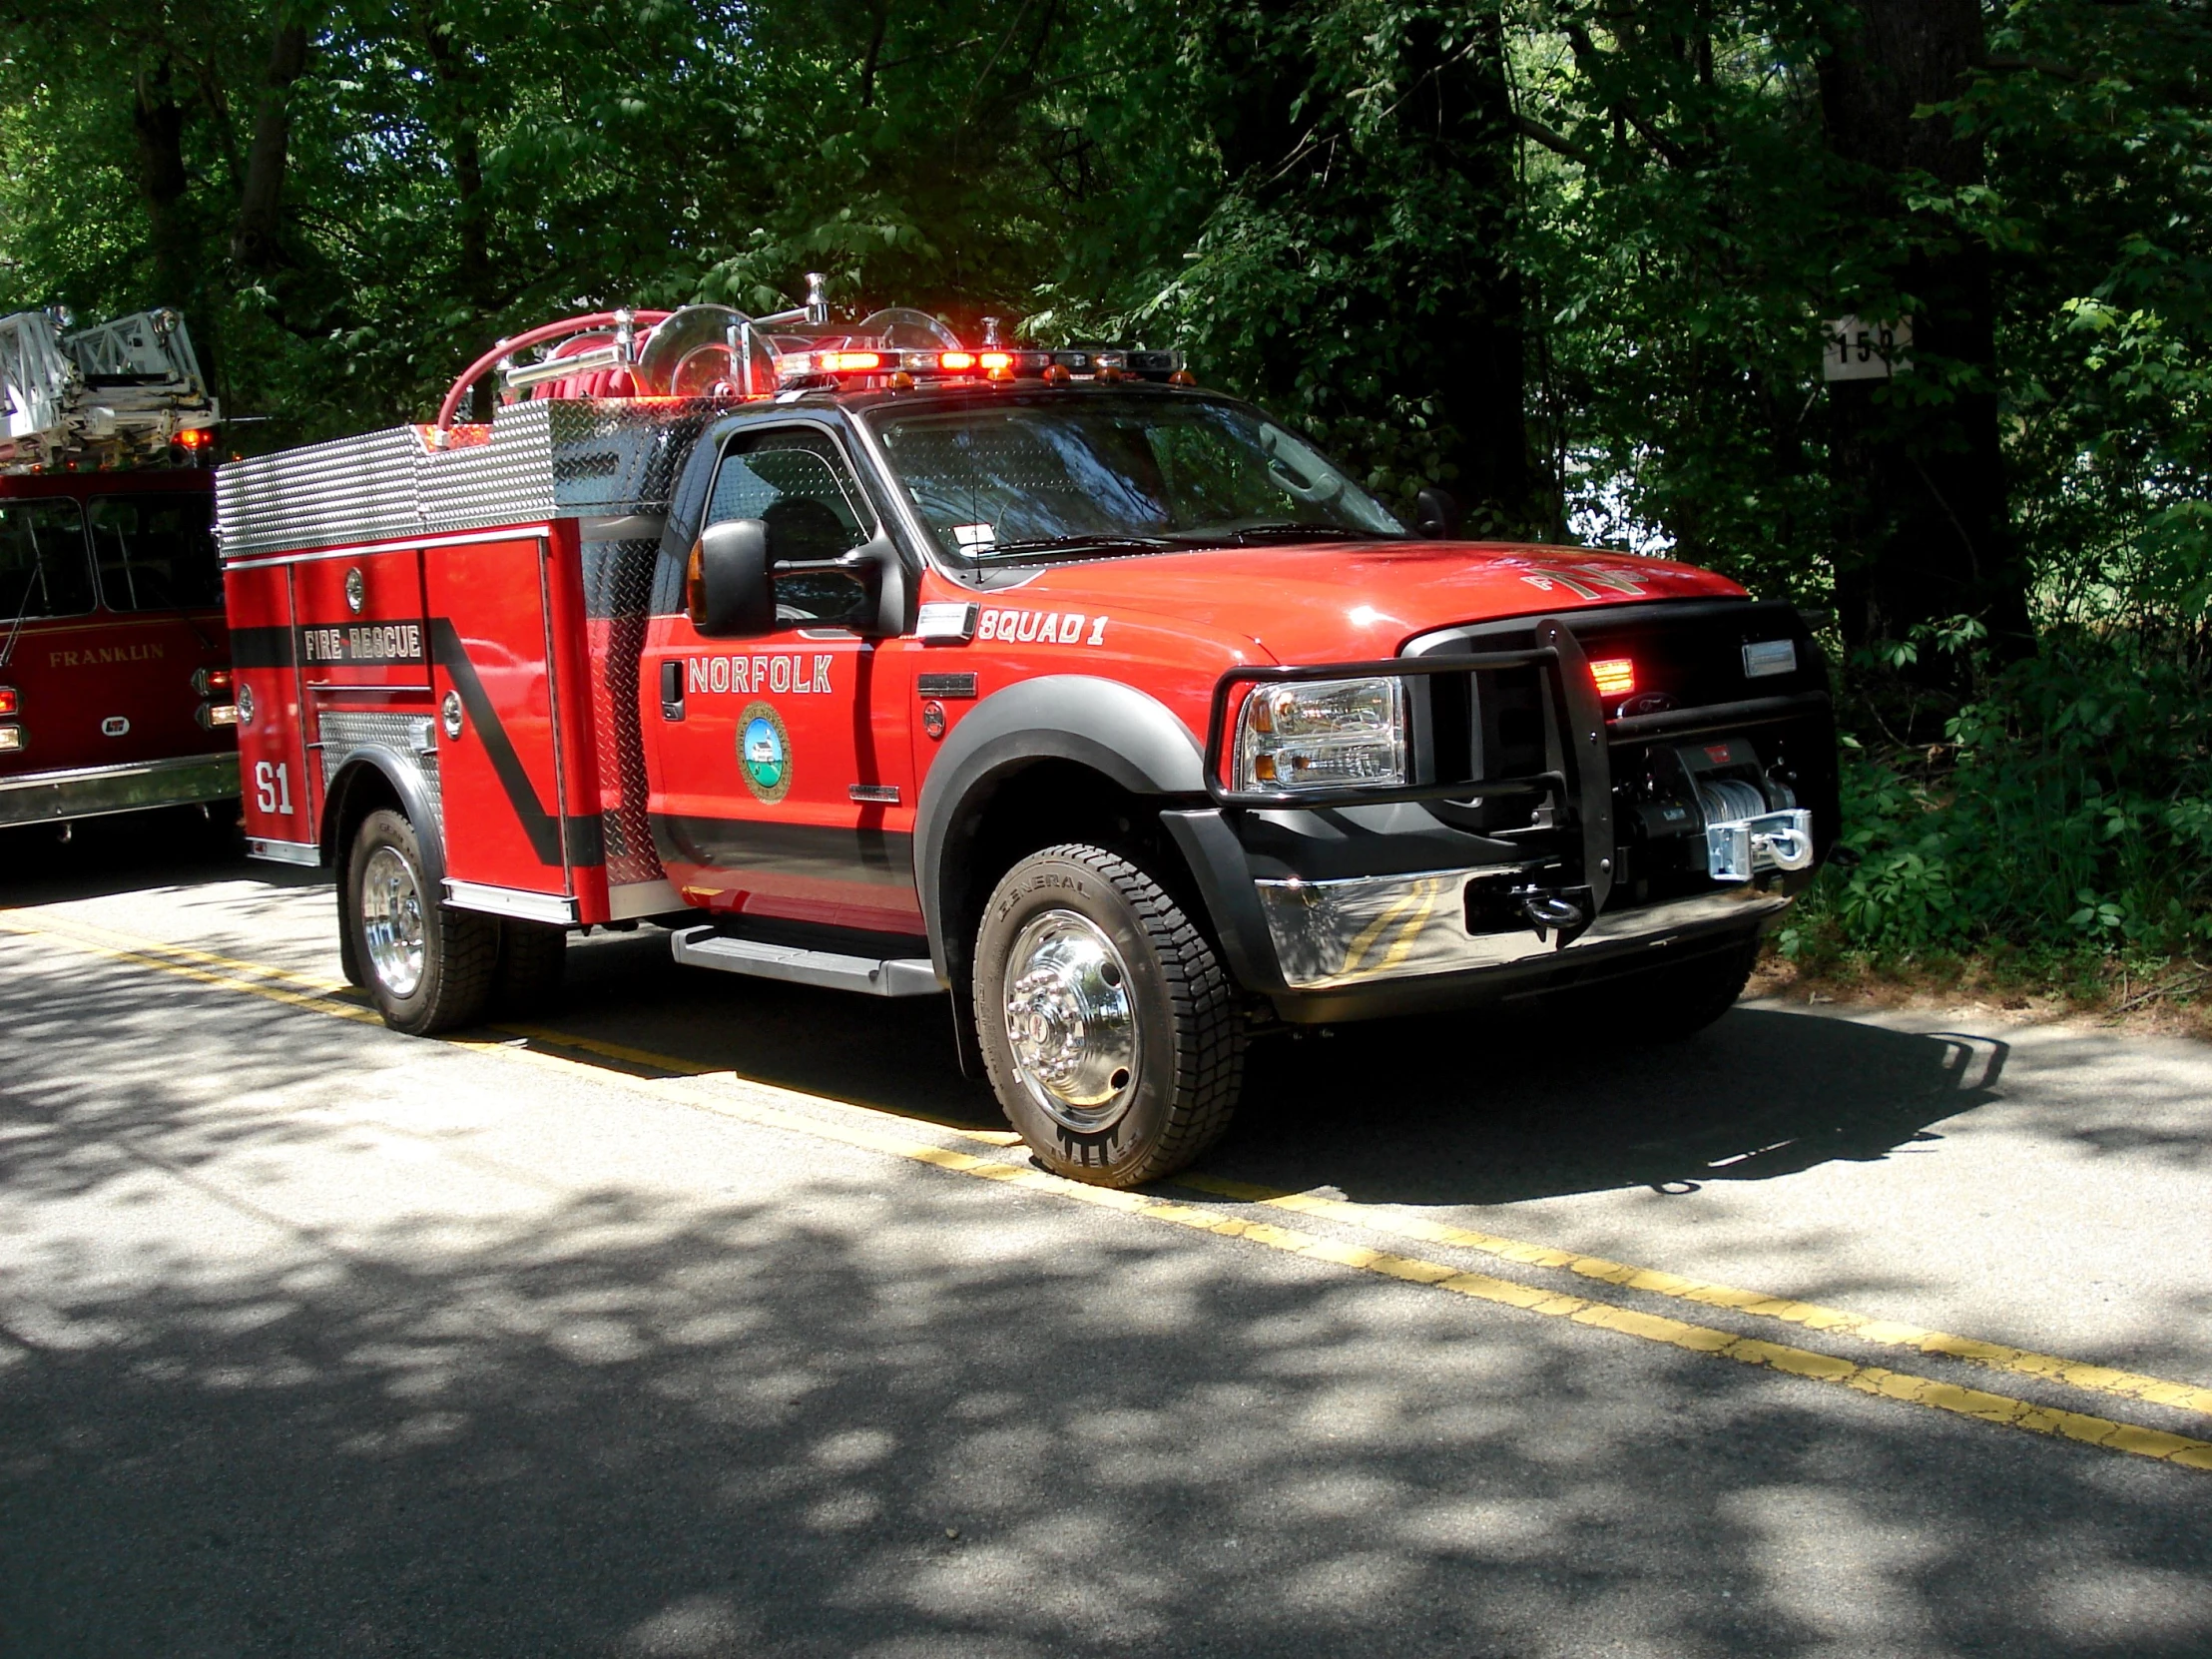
508, 837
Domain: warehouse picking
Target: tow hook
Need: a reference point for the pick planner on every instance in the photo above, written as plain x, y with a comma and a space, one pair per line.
1548, 911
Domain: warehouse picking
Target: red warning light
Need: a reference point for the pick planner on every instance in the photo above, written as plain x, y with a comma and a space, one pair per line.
1615, 676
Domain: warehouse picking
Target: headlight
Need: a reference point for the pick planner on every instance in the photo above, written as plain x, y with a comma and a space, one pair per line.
1321, 734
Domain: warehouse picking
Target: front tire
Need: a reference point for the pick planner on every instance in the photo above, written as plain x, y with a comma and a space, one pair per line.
1677, 1001
427, 968
1108, 1026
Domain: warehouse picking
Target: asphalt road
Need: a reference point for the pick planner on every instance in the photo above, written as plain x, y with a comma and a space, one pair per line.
714, 1317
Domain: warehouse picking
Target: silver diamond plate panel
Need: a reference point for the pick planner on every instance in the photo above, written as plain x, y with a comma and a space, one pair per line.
346, 734
565, 458
508, 481
364, 488
618, 579
559, 458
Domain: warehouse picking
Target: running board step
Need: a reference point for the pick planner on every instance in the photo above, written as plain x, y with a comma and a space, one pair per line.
895, 976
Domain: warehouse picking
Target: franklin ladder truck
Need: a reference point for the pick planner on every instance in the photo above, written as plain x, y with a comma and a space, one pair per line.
115, 678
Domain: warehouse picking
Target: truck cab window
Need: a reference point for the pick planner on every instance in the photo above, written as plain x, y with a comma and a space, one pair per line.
798, 482
43, 569
154, 553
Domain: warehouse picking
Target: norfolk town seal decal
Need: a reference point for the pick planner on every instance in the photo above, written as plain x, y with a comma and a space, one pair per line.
764, 753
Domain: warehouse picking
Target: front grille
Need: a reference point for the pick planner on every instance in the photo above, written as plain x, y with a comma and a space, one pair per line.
1689, 657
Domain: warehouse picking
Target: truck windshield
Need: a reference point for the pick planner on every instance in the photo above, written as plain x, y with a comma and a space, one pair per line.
1078, 475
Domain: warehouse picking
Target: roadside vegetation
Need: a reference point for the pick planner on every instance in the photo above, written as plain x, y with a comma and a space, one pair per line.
1573, 259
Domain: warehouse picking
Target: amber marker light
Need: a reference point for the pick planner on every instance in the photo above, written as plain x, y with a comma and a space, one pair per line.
1615, 676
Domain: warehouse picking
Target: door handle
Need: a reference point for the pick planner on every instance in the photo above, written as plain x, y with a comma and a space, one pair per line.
672, 689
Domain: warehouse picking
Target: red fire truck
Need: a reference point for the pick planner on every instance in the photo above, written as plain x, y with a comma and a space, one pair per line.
114, 665
865, 658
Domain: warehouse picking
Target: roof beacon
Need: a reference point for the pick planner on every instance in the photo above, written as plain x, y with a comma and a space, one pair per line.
717, 352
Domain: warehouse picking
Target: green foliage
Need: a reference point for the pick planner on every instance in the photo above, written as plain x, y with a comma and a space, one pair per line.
1569, 259
2071, 810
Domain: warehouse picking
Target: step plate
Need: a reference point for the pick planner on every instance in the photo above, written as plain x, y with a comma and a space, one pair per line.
895, 976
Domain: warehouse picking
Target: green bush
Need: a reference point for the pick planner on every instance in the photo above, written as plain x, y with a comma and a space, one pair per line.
2070, 812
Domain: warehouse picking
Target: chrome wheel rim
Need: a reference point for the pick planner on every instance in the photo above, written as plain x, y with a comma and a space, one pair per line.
1071, 1021
391, 922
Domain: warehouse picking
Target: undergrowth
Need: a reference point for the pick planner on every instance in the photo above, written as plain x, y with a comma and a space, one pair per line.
2060, 835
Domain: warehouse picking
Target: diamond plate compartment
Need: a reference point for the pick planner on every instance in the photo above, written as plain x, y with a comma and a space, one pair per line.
618, 579
563, 459
409, 739
356, 489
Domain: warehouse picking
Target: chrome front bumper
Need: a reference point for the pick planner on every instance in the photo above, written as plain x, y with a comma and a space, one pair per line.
93, 791
1367, 929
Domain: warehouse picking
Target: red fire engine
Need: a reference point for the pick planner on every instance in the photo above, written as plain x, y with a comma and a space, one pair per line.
865, 658
114, 667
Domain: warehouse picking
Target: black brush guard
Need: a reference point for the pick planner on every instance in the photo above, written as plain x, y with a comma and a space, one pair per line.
1576, 779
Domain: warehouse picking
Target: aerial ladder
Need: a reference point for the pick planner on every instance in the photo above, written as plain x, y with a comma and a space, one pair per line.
117, 395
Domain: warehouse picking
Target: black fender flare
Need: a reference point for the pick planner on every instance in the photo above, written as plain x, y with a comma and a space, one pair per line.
1114, 728
415, 799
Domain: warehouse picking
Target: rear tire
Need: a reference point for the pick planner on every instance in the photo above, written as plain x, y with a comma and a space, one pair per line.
427, 968
1108, 1026
533, 956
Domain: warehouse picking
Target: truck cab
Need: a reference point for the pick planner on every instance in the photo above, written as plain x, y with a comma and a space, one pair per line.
1103, 704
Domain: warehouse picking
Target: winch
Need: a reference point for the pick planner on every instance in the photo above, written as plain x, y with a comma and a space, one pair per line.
1748, 817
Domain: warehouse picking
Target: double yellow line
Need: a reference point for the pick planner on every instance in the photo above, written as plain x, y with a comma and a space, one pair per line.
845, 1123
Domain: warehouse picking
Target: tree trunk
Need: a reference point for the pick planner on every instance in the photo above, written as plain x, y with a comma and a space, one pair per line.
254, 246
1924, 528
1468, 355
158, 122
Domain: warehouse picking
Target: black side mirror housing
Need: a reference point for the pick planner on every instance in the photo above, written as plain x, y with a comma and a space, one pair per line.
1437, 514
727, 586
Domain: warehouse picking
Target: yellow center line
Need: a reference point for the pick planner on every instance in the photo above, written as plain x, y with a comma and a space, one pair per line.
2182, 1397
872, 1130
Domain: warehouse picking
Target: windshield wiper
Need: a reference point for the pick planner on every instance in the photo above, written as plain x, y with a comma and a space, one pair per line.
1246, 535
1073, 546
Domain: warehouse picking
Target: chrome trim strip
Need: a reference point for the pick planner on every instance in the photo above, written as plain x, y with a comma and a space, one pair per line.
127, 787
1368, 928
284, 853
511, 901
524, 530
627, 900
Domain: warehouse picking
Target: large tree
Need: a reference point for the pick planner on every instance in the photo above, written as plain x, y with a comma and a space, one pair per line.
1923, 526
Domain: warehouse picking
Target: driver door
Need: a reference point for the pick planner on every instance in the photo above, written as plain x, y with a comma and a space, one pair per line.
780, 784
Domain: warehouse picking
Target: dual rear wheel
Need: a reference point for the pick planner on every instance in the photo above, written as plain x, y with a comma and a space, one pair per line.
429, 969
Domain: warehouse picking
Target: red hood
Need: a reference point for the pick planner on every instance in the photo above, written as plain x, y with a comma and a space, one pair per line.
1341, 602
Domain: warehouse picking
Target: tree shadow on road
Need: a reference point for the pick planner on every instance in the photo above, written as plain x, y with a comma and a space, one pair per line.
750, 1424
1474, 1109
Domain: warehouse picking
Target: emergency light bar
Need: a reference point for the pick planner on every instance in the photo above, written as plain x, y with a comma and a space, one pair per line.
714, 352
987, 363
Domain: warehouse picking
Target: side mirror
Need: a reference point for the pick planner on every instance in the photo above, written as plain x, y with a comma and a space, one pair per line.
726, 587
1437, 514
